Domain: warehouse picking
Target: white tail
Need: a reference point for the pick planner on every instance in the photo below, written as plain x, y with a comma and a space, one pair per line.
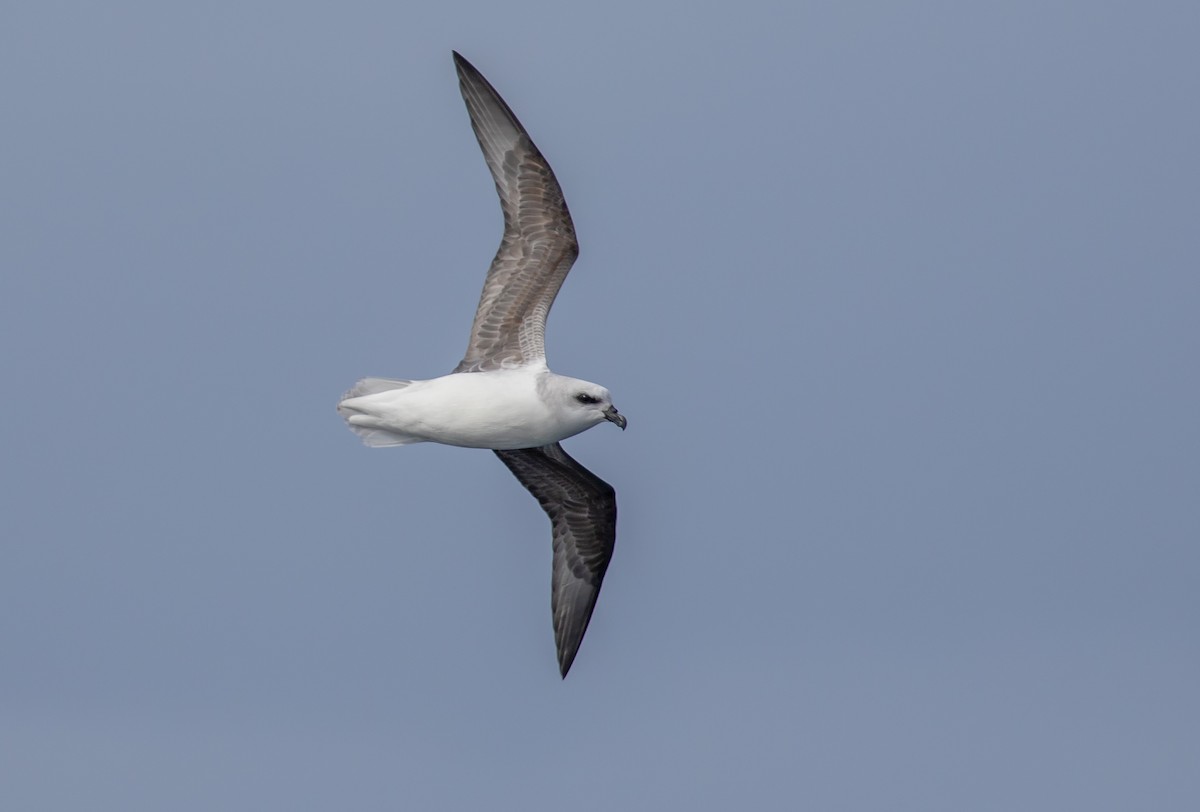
373, 386
363, 422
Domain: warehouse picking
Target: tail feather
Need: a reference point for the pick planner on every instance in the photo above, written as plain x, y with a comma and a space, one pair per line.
365, 424
373, 386
381, 438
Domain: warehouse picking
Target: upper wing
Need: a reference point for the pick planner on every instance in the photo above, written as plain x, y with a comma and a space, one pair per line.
583, 518
538, 247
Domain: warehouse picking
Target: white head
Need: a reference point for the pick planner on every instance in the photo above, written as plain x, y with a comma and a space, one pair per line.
580, 404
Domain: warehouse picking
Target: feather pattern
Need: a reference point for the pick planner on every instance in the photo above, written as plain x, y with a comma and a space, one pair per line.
538, 246
583, 518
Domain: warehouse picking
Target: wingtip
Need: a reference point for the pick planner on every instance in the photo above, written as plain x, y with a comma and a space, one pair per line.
566, 658
462, 64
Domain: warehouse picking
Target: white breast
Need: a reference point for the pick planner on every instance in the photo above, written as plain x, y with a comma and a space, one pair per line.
500, 409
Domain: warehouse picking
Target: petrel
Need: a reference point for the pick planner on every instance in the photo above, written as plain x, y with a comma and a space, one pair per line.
502, 395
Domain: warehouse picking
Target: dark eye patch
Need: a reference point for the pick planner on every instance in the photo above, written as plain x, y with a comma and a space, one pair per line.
584, 397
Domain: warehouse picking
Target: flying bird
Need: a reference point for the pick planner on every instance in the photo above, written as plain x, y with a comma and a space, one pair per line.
502, 395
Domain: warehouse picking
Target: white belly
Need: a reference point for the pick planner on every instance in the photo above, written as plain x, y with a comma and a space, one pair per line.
500, 410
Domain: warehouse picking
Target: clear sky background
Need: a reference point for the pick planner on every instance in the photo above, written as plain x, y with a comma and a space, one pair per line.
901, 300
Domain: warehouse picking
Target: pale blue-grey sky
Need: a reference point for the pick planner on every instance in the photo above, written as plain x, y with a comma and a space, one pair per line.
901, 302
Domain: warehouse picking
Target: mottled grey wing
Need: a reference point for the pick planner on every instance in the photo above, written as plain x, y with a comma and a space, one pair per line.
583, 519
538, 247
